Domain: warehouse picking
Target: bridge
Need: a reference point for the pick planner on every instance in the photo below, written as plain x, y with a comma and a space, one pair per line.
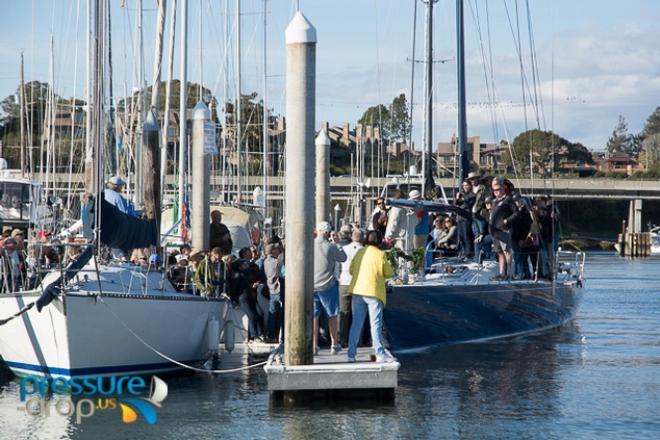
345, 188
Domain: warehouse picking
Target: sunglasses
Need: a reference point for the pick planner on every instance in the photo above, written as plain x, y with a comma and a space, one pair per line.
497, 189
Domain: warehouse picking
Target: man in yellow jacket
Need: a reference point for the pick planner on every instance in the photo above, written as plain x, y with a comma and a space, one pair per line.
369, 270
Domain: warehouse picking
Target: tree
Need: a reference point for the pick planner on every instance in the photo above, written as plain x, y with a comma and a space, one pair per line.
377, 116
544, 146
620, 141
400, 119
393, 121
652, 125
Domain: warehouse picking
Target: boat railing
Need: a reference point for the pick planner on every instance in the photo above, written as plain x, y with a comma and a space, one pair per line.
570, 265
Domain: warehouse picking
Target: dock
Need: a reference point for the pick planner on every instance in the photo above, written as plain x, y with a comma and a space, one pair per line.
332, 377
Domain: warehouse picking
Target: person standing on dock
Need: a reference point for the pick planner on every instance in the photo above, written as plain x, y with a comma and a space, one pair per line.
344, 281
273, 273
326, 289
369, 269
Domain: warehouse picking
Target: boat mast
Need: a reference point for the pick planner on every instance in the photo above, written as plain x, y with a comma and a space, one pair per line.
265, 114
464, 163
21, 99
238, 98
91, 87
139, 184
168, 89
427, 156
183, 98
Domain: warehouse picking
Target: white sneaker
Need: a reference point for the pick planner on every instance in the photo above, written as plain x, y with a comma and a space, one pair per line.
351, 360
335, 349
386, 358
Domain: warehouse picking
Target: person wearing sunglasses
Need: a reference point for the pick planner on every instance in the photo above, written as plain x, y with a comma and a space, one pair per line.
502, 217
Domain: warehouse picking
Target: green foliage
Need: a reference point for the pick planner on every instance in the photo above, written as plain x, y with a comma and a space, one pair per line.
395, 255
393, 121
620, 141
544, 146
652, 125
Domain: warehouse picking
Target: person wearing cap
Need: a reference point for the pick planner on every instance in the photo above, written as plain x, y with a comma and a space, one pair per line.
180, 274
113, 196
421, 228
19, 236
13, 266
501, 220
397, 220
326, 289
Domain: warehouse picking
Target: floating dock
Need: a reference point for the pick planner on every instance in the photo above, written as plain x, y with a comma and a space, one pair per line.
333, 377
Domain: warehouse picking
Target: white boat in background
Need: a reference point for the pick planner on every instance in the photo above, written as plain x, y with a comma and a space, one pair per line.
655, 240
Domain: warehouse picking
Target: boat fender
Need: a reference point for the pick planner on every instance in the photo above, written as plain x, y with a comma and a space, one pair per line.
230, 337
213, 333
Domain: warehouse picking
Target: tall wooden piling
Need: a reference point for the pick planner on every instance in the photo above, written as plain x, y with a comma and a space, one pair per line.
150, 139
299, 191
322, 144
201, 180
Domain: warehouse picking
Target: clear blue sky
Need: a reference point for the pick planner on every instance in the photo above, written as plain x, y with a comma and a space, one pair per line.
603, 54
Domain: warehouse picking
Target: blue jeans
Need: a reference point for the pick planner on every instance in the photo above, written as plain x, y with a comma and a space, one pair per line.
478, 228
362, 305
274, 316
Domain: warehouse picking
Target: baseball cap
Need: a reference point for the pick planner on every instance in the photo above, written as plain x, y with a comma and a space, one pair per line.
116, 180
323, 227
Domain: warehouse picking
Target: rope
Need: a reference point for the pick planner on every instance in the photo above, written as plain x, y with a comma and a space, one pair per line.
174, 361
17, 314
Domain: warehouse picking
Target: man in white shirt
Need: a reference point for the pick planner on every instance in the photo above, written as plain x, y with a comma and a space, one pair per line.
344, 281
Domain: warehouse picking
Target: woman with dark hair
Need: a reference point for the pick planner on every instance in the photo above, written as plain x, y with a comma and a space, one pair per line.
369, 269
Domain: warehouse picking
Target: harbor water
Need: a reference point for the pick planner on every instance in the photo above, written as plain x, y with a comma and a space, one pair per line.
597, 377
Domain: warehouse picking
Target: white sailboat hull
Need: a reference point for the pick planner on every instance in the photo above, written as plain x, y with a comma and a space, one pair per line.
88, 334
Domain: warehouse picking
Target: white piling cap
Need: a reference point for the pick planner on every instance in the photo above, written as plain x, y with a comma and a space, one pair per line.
151, 122
201, 111
300, 30
322, 138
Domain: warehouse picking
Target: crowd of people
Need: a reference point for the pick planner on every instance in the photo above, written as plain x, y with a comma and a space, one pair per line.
493, 221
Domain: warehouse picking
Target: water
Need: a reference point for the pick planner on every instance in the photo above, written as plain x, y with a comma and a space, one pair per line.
598, 377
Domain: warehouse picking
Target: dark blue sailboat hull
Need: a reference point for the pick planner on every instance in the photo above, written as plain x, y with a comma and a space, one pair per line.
419, 316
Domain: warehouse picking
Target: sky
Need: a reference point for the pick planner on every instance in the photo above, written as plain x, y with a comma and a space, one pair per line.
596, 59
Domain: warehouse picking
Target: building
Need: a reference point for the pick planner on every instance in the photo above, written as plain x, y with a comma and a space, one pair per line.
481, 155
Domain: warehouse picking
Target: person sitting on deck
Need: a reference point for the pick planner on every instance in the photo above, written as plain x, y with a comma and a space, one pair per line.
113, 196
447, 240
369, 269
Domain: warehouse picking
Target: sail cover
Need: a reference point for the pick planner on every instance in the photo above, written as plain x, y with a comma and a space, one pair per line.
120, 230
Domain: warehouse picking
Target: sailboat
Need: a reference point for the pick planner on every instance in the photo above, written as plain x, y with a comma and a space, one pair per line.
454, 301
107, 317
